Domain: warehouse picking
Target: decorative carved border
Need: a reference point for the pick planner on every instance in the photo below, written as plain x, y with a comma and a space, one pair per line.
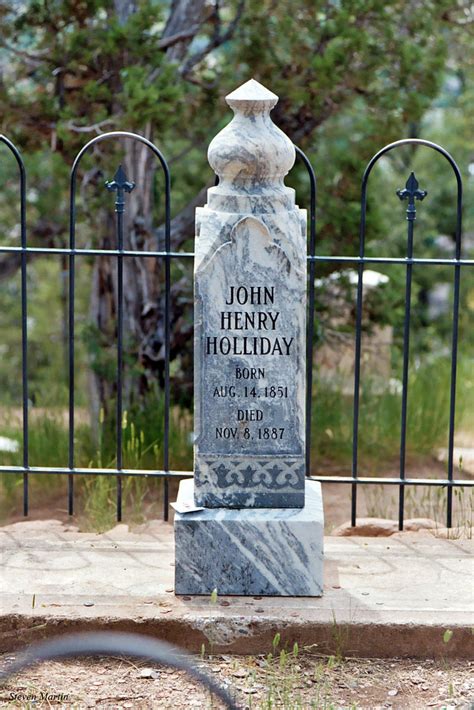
273, 474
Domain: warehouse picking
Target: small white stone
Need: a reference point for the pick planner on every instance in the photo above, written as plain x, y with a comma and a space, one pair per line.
10, 445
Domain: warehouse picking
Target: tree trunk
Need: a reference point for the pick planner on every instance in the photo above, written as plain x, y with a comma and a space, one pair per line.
142, 289
143, 278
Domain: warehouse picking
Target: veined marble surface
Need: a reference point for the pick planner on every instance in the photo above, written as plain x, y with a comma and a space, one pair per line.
250, 310
272, 552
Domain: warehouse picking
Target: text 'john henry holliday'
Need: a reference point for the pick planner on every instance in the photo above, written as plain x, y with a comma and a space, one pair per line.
262, 320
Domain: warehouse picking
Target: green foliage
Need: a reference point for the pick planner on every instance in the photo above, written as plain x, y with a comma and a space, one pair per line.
380, 414
447, 636
142, 434
373, 66
47, 336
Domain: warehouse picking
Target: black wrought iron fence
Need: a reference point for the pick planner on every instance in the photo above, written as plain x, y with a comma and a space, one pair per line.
121, 186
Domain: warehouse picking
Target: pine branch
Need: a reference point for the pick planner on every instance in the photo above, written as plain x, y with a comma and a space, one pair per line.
95, 127
33, 59
182, 225
167, 42
218, 38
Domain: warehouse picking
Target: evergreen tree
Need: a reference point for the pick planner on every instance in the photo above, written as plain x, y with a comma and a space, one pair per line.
351, 75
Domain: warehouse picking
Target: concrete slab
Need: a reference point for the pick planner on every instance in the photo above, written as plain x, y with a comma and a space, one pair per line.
383, 596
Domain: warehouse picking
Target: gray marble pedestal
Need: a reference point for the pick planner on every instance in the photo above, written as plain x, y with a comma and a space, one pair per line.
252, 551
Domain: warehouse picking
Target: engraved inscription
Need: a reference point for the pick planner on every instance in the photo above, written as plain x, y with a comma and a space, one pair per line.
251, 347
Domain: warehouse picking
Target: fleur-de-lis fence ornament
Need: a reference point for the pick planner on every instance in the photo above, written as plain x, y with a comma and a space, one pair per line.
411, 192
120, 184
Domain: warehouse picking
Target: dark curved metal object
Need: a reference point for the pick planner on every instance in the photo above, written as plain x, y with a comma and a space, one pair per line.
24, 322
310, 322
111, 643
120, 184
411, 191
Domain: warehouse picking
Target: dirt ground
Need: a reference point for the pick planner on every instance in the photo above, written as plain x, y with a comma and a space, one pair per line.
288, 680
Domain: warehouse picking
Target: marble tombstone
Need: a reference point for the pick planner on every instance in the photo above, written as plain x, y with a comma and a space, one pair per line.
261, 530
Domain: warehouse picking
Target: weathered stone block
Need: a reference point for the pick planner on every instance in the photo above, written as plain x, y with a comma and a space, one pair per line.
250, 551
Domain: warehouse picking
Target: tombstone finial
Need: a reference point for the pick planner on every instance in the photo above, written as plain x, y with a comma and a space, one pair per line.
251, 153
251, 97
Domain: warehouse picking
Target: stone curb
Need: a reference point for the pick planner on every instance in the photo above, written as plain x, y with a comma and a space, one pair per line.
365, 640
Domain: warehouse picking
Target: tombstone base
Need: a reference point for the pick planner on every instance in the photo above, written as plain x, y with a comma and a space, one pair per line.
250, 551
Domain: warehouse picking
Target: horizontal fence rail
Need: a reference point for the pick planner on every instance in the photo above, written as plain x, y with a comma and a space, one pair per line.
190, 255
122, 188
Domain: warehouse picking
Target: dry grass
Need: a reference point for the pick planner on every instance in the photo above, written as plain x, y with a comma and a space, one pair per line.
288, 681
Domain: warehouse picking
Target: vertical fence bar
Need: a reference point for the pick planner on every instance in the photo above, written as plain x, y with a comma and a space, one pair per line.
24, 318
410, 193
356, 405
311, 302
358, 347
119, 412
71, 333
24, 340
120, 185
405, 369
166, 431
452, 403
24, 332
454, 348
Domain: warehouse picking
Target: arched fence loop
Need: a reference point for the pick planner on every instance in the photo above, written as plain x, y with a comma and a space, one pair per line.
110, 643
411, 192
24, 316
120, 185
311, 301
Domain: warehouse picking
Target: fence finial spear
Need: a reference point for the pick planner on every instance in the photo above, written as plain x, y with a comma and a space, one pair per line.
411, 192
120, 184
